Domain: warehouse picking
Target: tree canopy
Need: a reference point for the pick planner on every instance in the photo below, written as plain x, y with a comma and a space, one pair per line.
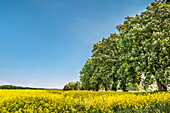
72, 86
142, 48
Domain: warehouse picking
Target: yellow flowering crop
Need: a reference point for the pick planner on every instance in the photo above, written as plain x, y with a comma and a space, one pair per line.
51, 101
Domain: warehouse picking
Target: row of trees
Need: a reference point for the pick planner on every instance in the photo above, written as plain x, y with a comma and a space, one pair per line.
17, 87
138, 55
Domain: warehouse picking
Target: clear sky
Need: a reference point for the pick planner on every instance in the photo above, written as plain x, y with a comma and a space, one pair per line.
45, 43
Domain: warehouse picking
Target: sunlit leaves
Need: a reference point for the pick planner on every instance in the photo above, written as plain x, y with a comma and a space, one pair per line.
142, 46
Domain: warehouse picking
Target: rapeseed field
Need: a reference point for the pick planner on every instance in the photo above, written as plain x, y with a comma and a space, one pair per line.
52, 101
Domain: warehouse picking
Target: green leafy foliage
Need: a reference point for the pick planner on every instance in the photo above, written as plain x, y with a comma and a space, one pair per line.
141, 47
145, 41
72, 86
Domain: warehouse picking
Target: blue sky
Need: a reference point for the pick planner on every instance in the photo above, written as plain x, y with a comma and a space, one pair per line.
45, 43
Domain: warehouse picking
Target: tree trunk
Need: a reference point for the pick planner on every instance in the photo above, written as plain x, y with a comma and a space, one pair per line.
124, 88
97, 88
105, 87
114, 87
160, 86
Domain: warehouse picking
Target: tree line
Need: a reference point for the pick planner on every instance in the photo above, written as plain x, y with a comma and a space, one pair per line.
16, 87
21, 87
138, 55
